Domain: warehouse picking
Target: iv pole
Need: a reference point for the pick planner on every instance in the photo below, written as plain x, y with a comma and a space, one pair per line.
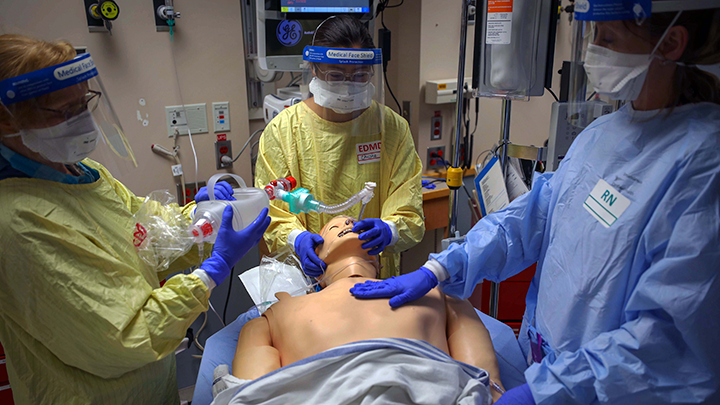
455, 173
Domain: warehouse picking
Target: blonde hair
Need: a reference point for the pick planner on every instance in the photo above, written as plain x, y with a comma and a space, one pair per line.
20, 54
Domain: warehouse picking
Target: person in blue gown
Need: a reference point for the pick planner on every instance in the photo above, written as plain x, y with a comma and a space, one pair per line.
625, 305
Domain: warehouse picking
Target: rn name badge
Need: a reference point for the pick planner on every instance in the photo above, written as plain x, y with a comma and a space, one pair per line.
605, 203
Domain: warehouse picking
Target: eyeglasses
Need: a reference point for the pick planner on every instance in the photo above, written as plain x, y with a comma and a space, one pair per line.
337, 77
89, 103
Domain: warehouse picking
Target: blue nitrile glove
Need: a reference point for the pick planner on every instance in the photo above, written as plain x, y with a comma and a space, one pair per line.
231, 246
400, 289
520, 395
376, 232
305, 245
223, 191
428, 184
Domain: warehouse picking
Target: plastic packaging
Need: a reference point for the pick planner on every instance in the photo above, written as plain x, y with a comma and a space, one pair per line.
249, 202
160, 233
278, 275
284, 274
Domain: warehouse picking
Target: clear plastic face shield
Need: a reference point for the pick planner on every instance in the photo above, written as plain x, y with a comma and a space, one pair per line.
346, 83
603, 62
63, 113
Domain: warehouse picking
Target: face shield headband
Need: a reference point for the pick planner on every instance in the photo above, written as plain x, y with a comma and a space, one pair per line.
336, 89
69, 135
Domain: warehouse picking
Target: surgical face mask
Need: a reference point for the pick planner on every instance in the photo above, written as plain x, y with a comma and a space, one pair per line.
620, 76
67, 143
617, 75
343, 98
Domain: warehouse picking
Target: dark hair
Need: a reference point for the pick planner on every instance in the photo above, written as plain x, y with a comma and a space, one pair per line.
343, 31
693, 85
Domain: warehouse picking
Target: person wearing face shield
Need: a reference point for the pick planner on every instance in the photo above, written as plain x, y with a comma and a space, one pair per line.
334, 142
625, 302
83, 319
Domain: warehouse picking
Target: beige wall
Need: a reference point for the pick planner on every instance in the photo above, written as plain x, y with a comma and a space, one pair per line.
404, 69
136, 62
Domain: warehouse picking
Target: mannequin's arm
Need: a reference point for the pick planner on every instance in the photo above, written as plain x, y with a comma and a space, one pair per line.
469, 340
255, 356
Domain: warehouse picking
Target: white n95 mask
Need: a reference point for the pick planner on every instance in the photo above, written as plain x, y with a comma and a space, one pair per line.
343, 98
619, 76
68, 142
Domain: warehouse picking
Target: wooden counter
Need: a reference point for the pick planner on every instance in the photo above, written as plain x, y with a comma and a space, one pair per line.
436, 206
436, 202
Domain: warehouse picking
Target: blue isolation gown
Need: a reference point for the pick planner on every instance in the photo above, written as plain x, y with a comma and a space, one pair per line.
630, 313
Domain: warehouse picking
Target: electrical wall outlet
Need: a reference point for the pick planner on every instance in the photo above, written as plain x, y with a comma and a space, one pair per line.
222, 148
436, 128
190, 192
435, 157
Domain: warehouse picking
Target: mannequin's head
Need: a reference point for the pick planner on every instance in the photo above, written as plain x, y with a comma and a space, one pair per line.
343, 253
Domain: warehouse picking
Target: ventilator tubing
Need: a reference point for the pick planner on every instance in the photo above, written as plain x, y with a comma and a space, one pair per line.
300, 200
364, 196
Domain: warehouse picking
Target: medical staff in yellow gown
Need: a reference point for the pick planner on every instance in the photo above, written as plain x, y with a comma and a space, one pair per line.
325, 161
337, 140
83, 319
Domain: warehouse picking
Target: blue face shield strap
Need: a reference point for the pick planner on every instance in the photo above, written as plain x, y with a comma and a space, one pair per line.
342, 56
47, 80
610, 10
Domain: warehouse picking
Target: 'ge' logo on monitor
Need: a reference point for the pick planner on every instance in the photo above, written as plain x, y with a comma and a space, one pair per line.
582, 6
289, 32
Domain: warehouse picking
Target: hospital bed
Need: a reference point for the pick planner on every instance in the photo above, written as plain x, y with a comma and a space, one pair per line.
220, 349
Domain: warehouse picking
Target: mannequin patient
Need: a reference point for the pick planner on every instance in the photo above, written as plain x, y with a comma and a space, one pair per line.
296, 328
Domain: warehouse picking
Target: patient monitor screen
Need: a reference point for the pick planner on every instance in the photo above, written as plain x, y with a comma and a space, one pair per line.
325, 6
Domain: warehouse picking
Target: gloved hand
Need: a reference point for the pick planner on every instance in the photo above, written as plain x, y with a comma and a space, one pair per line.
305, 245
520, 395
223, 191
401, 289
377, 234
231, 246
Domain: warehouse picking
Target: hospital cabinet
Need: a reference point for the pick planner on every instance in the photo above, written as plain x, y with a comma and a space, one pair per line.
511, 302
6, 397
